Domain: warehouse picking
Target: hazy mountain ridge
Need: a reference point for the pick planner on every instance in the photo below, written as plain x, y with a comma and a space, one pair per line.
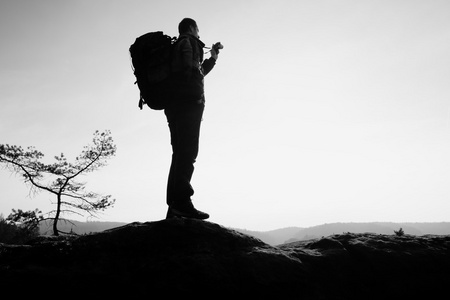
78, 227
288, 234
273, 237
292, 234
441, 228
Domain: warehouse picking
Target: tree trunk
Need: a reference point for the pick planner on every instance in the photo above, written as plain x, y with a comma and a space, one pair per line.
55, 220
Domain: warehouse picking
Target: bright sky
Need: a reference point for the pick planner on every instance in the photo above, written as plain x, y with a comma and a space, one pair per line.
317, 111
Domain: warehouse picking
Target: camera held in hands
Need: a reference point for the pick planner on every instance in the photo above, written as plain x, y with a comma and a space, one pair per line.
217, 46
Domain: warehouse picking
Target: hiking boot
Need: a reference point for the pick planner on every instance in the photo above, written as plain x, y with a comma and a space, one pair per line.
185, 210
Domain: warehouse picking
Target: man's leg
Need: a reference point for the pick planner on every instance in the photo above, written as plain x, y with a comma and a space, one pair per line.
184, 124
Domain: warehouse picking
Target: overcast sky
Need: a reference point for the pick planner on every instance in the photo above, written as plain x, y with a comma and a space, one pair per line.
317, 111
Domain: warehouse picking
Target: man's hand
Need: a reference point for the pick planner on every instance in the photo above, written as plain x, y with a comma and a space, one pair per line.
215, 50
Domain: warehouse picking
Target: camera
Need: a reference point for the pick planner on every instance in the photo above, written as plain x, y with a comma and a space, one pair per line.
217, 46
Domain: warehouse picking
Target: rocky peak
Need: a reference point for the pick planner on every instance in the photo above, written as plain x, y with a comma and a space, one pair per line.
198, 258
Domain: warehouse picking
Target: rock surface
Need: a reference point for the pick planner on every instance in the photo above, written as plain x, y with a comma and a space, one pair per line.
202, 259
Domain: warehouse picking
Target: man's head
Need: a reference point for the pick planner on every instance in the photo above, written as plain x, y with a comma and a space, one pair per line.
189, 26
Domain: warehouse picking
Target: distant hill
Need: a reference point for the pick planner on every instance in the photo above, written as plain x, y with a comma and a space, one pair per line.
292, 234
324, 230
273, 237
80, 227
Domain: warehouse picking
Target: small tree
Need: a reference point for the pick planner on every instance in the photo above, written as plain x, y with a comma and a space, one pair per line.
400, 232
59, 178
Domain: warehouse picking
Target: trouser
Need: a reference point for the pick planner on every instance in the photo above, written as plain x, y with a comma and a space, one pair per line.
184, 124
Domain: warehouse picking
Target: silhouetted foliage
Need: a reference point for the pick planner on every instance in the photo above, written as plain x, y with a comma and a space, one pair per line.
59, 178
400, 232
20, 226
28, 220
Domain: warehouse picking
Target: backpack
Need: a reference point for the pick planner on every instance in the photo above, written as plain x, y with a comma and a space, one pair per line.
151, 58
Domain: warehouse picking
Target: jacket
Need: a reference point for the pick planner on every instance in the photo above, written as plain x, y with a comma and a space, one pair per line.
189, 69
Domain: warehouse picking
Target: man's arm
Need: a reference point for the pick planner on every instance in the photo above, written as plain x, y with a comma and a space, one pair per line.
208, 64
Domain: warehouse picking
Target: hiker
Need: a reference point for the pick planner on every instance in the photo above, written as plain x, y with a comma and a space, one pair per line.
184, 115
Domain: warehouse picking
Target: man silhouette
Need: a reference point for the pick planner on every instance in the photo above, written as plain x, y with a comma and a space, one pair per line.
184, 114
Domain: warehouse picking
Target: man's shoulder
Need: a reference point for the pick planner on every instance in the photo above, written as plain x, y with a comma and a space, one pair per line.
183, 42
183, 38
